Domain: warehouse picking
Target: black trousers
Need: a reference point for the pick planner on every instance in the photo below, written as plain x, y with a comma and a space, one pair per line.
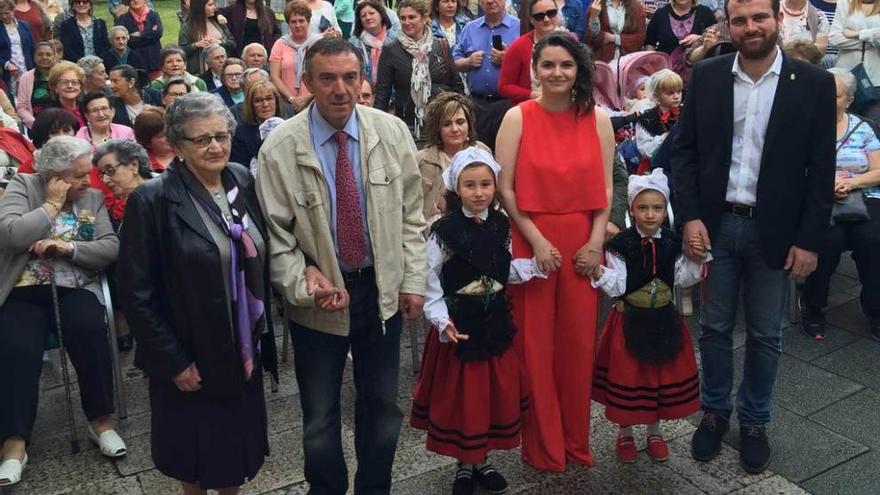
488, 113
26, 320
863, 238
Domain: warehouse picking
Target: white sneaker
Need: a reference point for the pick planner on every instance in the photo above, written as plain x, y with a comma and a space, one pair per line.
10, 471
110, 443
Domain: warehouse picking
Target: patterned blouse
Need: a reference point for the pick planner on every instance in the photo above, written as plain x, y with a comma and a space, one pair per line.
852, 154
88, 36
68, 226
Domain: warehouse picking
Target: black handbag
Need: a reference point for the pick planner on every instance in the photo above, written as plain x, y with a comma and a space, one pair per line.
866, 93
852, 208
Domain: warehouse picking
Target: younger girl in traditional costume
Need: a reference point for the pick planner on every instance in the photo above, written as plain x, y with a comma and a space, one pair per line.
645, 366
654, 124
469, 396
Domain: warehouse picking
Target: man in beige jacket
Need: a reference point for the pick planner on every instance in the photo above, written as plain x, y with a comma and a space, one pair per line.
342, 196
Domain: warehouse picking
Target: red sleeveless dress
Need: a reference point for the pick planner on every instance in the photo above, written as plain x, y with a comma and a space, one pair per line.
559, 182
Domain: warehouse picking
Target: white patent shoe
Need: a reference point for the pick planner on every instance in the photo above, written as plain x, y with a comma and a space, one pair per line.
110, 443
10, 471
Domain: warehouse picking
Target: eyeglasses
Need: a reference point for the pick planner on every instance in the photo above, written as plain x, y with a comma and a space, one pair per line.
81, 2
69, 82
205, 141
109, 170
97, 110
175, 93
263, 99
234, 75
539, 16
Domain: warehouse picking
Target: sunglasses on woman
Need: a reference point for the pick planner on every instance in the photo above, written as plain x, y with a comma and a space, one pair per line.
540, 16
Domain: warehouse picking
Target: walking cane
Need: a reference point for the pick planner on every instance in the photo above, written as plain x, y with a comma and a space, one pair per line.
74, 441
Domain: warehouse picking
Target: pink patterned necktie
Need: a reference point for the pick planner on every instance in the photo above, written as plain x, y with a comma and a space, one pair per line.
349, 228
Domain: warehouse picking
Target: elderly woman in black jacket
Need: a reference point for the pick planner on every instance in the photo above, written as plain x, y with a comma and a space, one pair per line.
194, 284
53, 229
416, 66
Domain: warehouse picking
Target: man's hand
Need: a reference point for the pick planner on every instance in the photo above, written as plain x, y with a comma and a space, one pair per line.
691, 229
327, 296
475, 60
800, 262
498, 56
189, 380
410, 305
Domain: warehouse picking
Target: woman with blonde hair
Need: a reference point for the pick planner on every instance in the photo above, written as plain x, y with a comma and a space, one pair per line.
66, 80
855, 33
261, 102
449, 128
415, 67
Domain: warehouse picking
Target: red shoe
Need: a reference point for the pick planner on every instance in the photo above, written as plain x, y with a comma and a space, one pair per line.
657, 448
626, 449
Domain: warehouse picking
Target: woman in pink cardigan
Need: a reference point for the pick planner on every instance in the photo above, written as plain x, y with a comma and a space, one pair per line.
99, 112
515, 81
33, 86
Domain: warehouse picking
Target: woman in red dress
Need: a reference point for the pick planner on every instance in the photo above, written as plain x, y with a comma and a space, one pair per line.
556, 154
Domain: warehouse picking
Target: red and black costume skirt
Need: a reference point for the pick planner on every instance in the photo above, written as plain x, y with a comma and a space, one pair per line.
637, 393
468, 407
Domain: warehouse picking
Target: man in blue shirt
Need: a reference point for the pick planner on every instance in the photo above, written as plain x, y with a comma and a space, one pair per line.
475, 56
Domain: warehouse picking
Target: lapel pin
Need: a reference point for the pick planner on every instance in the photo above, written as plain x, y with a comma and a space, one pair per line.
792, 76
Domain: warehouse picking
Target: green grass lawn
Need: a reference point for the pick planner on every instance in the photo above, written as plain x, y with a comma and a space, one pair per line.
167, 10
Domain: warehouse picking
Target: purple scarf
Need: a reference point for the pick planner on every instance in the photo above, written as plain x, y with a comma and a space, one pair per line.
246, 269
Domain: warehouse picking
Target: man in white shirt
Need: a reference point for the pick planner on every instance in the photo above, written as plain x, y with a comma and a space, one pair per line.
754, 176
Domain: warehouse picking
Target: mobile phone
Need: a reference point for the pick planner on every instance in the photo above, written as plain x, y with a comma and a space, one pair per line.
324, 24
496, 42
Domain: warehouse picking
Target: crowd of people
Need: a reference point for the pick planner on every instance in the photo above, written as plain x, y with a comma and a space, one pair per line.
358, 165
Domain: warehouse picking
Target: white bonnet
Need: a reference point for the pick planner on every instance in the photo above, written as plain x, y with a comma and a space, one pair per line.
464, 158
655, 181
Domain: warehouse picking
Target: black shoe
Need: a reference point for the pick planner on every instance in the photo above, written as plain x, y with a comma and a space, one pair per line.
491, 480
125, 342
464, 481
813, 322
754, 448
706, 442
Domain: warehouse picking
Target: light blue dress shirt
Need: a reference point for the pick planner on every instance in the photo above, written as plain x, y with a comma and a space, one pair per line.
326, 149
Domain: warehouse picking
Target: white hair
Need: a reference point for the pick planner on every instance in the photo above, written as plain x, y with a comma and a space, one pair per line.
252, 46
846, 78
59, 153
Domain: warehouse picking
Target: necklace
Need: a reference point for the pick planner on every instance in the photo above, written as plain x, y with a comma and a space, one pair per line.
793, 13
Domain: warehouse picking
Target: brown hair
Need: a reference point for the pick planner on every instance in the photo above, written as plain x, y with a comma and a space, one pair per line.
803, 50
444, 106
420, 6
248, 114
149, 124
298, 7
375, 5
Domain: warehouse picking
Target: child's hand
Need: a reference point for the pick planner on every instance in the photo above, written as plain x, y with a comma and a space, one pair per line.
696, 244
453, 335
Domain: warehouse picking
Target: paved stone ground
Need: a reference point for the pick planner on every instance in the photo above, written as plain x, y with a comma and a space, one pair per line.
826, 434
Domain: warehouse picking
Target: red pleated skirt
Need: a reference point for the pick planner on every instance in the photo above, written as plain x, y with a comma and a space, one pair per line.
468, 408
635, 393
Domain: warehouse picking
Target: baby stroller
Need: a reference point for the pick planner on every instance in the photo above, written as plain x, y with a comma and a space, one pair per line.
613, 84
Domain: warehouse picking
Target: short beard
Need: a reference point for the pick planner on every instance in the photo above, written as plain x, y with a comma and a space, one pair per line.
764, 49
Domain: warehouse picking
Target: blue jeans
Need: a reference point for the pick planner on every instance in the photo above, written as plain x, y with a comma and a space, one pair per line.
739, 266
319, 362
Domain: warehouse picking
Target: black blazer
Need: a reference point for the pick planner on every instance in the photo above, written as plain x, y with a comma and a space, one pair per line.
208, 77
111, 60
796, 180
74, 49
171, 286
148, 44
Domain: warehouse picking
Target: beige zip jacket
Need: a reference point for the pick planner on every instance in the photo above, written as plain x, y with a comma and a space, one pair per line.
295, 199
